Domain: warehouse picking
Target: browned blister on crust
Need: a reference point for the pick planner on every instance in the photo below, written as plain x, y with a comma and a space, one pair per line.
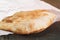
27, 22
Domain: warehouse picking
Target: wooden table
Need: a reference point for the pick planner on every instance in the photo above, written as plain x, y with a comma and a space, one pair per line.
52, 33
55, 3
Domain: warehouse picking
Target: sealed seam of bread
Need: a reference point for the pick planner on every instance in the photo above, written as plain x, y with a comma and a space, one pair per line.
27, 22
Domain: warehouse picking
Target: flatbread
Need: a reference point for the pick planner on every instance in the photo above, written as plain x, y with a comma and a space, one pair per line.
27, 22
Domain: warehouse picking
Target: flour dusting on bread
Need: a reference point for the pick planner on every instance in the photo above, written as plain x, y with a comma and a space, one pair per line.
26, 22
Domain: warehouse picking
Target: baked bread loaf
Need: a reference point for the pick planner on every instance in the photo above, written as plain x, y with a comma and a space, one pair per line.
27, 22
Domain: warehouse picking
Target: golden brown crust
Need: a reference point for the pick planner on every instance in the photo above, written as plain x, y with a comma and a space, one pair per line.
26, 14
26, 22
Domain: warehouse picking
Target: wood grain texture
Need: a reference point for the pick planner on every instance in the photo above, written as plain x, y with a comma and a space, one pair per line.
52, 33
55, 3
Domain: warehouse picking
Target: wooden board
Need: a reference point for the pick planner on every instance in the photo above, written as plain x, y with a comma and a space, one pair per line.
55, 3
